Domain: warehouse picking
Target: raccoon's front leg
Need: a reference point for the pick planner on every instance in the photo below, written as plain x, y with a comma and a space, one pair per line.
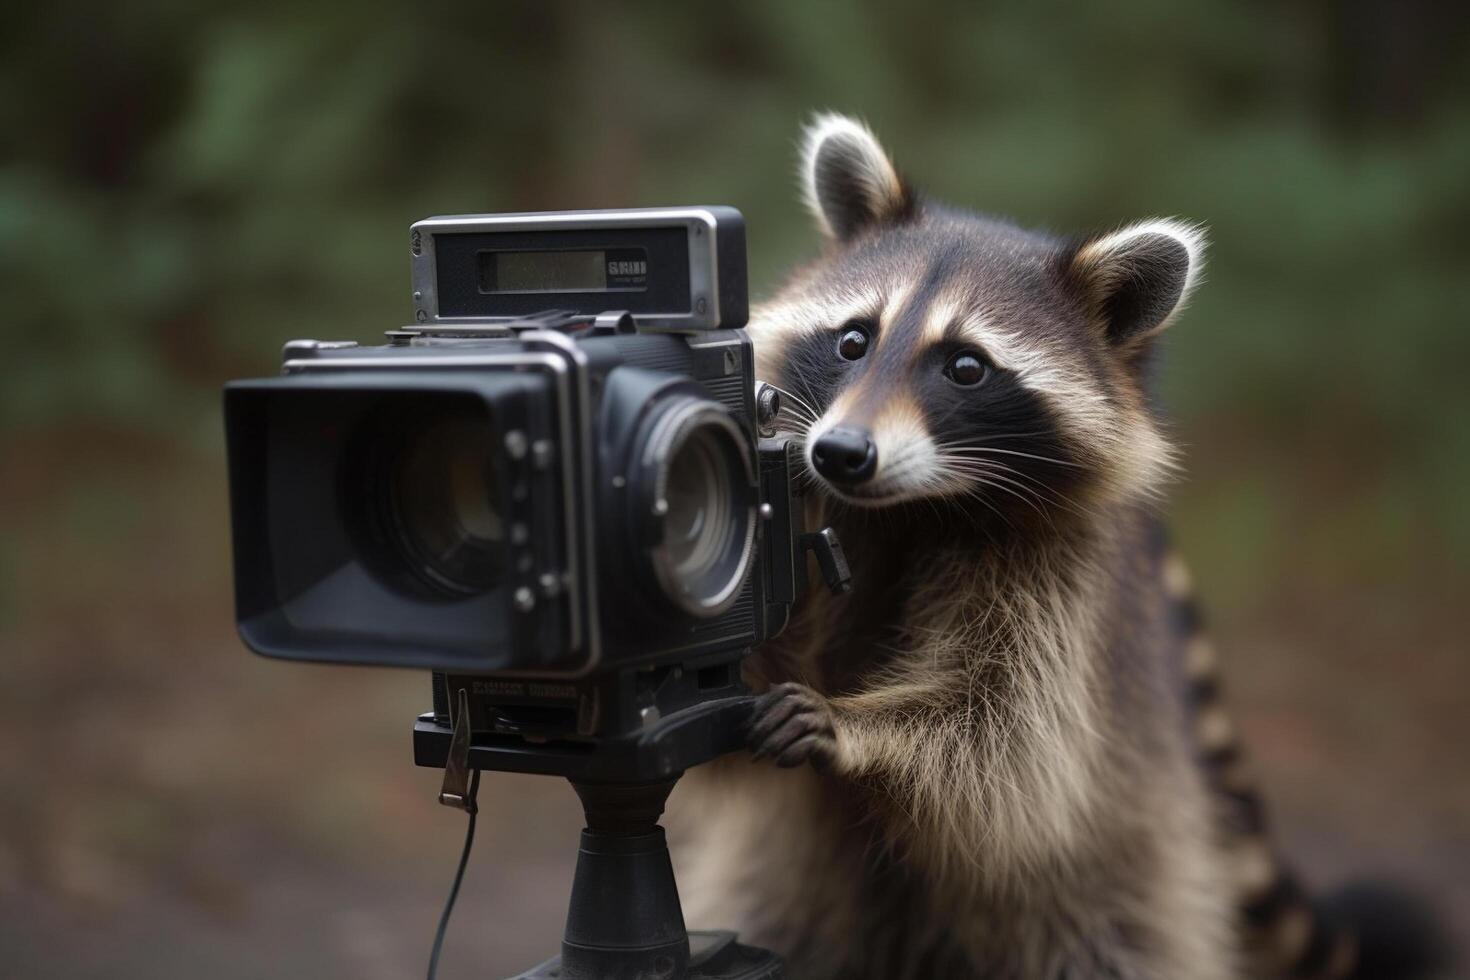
964, 777
961, 792
792, 724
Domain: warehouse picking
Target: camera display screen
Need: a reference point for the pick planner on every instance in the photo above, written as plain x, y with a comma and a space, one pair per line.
563, 270
494, 272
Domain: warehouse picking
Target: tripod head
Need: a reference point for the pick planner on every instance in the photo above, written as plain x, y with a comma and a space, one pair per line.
624, 921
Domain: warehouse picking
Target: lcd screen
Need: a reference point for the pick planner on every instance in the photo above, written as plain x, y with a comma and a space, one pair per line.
543, 272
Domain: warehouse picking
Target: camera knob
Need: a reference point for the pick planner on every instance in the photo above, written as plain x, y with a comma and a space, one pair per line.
767, 407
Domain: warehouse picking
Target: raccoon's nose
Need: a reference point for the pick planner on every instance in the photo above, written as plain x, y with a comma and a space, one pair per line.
845, 456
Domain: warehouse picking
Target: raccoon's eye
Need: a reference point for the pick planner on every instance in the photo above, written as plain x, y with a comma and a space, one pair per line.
966, 368
852, 342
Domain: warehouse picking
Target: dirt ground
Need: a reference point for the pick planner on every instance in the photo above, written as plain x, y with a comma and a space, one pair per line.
171, 806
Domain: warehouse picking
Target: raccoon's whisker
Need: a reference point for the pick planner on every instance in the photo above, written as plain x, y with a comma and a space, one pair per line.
1028, 434
1021, 491
966, 450
1016, 435
797, 412
792, 420
905, 457
998, 481
981, 468
973, 492
794, 411
929, 499
939, 422
798, 432
794, 425
1061, 499
1040, 494
794, 417
809, 398
796, 400
1001, 475
1040, 488
1028, 500
895, 472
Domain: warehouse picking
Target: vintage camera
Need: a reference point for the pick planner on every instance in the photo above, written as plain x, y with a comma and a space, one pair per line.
562, 492
551, 490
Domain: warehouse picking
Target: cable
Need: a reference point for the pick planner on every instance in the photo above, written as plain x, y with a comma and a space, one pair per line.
464, 859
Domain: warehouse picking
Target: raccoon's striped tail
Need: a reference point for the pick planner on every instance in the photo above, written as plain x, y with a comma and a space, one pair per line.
1286, 934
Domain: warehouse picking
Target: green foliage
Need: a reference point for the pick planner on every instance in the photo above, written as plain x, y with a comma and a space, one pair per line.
185, 186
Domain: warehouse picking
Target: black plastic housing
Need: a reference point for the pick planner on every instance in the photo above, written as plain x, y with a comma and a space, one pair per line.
565, 407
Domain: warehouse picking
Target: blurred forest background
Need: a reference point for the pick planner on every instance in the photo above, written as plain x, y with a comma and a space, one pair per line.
185, 186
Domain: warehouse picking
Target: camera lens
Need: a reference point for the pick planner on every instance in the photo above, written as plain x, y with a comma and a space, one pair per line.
441, 494
705, 505
699, 505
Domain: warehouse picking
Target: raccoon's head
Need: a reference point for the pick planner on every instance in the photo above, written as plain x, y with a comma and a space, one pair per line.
935, 355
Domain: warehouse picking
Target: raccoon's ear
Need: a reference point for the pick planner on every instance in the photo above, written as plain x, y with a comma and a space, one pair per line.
847, 180
1138, 278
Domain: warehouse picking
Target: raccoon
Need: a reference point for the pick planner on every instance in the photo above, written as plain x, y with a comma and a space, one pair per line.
1004, 754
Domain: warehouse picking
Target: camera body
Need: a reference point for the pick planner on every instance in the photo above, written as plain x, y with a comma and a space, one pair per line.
570, 515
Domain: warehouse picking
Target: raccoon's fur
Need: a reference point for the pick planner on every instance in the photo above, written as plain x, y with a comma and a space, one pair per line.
1019, 766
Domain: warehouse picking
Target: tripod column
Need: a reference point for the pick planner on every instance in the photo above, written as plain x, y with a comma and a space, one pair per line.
624, 920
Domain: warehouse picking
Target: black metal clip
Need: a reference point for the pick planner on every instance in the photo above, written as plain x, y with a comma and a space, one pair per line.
830, 558
456, 790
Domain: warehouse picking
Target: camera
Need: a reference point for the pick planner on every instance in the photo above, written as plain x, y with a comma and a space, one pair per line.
562, 492
551, 490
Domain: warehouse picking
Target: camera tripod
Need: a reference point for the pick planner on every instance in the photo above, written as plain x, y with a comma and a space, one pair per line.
624, 921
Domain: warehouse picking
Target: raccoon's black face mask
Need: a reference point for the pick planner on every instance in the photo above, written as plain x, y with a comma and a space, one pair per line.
934, 354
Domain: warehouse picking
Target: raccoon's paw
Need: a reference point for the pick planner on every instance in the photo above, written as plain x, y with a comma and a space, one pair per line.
792, 724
